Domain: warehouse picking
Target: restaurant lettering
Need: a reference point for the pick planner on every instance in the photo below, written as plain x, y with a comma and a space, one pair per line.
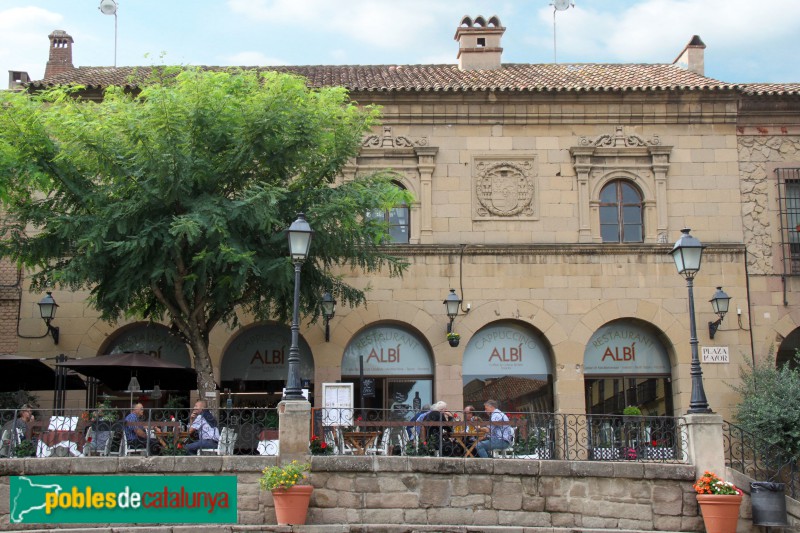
274, 358
391, 355
621, 334
507, 355
621, 353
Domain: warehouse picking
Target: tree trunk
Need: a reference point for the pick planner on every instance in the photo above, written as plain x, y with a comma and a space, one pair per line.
205, 373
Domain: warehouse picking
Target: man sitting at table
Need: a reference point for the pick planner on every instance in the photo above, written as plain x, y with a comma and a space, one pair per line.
500, 432
20, 424
136, 434
203, 427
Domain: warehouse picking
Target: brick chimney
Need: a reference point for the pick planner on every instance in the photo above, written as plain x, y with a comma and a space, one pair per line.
479, 43
692, 58
60, 54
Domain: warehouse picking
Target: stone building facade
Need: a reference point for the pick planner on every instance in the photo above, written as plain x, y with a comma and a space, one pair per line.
547, 197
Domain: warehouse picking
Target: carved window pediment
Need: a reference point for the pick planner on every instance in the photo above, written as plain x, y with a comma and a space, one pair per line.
621, 155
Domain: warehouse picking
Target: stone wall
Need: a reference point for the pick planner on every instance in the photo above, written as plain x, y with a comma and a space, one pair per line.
424, 490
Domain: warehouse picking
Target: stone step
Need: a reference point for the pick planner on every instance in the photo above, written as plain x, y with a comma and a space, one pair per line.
338, 528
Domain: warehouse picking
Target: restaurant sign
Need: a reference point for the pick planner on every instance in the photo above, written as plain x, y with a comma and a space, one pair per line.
506, 349
152, 339
387, 351
625, 348
261, 353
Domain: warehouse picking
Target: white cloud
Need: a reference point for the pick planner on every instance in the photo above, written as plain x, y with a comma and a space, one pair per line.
647, 30
23, 39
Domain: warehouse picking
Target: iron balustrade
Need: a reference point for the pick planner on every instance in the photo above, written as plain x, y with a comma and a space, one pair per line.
536, 435
254, 431
759, 460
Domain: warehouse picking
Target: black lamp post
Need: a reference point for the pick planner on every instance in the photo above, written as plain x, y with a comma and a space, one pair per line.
47, 310
719, 303
299, 234
328, 310
452, 304
687, 253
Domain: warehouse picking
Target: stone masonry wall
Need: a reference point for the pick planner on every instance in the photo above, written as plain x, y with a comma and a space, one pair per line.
430, 491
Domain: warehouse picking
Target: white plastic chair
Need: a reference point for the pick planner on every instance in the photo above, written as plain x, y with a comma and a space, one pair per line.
507, 452
381, 445
227, 438
125, 451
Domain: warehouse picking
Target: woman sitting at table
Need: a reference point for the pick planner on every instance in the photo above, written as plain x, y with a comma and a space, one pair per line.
437, 434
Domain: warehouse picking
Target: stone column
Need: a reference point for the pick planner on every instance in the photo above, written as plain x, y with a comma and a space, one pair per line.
294, 423
706, 447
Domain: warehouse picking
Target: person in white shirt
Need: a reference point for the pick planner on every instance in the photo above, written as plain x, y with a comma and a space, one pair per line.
203, 427
500, 432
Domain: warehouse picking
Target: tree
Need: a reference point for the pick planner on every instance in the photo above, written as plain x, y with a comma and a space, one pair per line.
770, 404
171, 203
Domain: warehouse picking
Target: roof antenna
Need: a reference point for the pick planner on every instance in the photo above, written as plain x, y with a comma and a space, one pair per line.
558, 5
109, 7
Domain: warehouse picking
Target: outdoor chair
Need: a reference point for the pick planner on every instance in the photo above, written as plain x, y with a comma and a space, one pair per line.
507, 452
127, 451
227, 439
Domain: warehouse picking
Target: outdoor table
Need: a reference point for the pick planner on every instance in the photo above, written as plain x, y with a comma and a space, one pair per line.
360, 440
460, 437
169, 431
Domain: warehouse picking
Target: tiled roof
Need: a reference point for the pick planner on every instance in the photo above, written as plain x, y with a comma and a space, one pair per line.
760, 89
444, 78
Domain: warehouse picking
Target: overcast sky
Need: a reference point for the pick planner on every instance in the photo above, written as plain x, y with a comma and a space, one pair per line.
747, 40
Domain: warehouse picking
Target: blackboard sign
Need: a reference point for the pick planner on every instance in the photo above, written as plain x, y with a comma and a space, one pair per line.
368, 388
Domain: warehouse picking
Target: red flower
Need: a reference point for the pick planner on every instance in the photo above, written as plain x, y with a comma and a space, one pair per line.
323, 445
180, 446
88, 439
314, 438
654, 443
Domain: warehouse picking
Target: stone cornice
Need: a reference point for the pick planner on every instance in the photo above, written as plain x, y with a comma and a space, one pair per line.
605, 249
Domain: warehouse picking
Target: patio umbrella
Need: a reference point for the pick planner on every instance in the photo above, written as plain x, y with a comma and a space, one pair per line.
116, 371
18, 372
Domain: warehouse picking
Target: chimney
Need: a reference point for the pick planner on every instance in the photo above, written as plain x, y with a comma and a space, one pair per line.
60, 54
479, 43
17, 79
692, 57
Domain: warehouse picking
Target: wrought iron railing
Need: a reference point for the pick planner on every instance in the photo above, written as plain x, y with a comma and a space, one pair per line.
530, 435
254, 431
754, 457
109, 431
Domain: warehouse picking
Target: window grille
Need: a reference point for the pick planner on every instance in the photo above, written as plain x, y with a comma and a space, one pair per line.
789, 205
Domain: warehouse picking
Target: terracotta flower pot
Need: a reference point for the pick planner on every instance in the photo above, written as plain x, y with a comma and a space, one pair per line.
720, 511
291, 505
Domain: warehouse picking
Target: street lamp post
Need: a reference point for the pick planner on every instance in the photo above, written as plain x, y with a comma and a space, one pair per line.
687, 253
299, 234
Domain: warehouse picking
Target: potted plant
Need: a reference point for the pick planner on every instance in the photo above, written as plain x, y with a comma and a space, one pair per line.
719, 503
453, 338
533, 447
289, 491
318, 446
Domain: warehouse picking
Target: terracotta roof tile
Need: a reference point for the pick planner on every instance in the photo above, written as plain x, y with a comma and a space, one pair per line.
444, 78
777, 89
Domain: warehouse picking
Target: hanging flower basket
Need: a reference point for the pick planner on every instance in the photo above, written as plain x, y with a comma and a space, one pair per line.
453, 339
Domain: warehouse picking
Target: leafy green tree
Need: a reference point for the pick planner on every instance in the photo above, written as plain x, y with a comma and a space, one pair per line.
770, 404
170, 203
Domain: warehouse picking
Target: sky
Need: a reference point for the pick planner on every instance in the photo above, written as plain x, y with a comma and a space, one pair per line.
747, 40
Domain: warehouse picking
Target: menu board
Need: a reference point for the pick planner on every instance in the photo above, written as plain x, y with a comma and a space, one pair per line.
337, 404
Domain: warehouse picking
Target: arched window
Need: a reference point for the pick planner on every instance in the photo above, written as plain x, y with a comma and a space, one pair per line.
621, 212
398, 220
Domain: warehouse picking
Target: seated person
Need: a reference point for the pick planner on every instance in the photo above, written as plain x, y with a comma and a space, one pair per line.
136, 435
17, 429
500, 432
203, 427
440, 433
413, 431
